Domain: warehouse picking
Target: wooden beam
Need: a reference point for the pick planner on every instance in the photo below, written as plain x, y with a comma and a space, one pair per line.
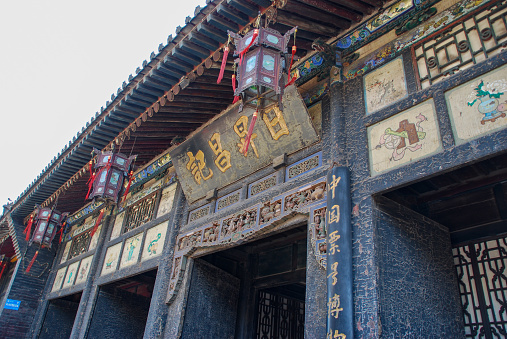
355, 5
290, 19
331, 8
315, 14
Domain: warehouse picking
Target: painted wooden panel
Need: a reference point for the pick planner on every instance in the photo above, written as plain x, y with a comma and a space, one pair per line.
71, 275
154, 243
66, 252
112, 257
166, 201
479, 107
131, 250
385, 85
60, 275
84, 269
403, 138
118, 222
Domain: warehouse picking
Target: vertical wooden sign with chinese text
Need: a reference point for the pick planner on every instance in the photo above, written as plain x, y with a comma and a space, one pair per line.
339, 256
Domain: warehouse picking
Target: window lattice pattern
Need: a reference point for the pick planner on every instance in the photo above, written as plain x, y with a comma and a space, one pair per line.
79, 244
280, 317
462, 45
140, 213
482, 279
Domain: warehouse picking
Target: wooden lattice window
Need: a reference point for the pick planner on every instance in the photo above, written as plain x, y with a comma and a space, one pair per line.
80, 244
140, 213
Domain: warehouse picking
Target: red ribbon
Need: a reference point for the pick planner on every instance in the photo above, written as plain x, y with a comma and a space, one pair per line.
291, 60
131, 175
4, 265
224, 62
90, 180
243, 52
28, 228
249, 134
61, 232
31, 262
99, 219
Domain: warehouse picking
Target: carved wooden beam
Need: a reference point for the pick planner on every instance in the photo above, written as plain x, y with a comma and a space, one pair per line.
290, 19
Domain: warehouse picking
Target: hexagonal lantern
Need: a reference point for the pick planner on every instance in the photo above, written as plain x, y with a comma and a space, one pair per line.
111, 169
261, 61
46, 221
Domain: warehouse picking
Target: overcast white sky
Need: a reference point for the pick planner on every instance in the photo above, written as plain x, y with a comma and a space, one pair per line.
60, 62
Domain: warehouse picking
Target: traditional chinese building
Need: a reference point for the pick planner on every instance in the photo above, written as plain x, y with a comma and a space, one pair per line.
362, 194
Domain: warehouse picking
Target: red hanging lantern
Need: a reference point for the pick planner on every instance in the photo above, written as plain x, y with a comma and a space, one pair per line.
47, 221
111, 169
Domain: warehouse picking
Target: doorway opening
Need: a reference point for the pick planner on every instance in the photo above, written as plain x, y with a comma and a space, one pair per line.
122, 307
60, 317
472, 203
255, 290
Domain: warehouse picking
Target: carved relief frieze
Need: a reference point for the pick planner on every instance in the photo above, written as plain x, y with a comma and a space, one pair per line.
249, 223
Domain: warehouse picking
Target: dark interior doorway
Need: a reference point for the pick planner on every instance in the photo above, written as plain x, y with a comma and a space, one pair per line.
259, 289
472, 203
60, 317
122, 307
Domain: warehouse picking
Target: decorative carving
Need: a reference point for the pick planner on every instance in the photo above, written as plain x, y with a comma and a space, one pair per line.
304, 197
211, 233
415, 20
189, 241
262, 185
228, 200
270, 210
198, 213
79, 244
239, 222
318, 235
140, 212
303, 166
319, 220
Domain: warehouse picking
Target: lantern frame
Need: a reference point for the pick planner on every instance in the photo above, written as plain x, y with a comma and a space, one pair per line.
47, 220
111, 171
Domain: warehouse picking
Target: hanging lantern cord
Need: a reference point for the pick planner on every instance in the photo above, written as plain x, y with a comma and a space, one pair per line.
294, 49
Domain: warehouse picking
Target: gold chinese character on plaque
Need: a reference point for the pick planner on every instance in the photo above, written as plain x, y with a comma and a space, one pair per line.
334, 273
273, 118
334, 214
241, 129
223, 160
197, 165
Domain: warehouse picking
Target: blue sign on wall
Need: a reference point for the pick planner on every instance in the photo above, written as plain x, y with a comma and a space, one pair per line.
12, 304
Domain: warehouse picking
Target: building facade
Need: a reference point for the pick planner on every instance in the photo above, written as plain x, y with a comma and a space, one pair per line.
371, 202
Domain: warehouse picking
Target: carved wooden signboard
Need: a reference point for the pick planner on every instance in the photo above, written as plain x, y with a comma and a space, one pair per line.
212, 158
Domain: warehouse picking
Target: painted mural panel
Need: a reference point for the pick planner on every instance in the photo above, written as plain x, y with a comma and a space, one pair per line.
60, 275
112, 257
84, 269
131, 250
385, 85
154, 243
403, 138
118, 222
71, 275
166, 201
479, 107
66, 252
217, 155
95, 239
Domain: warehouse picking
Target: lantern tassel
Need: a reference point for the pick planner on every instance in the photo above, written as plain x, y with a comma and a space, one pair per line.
31, 262
245, 50
97, 223
90, 180
291, 60
236, 97
224, 62
131, 175
28, 228
3, 268
250, 131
